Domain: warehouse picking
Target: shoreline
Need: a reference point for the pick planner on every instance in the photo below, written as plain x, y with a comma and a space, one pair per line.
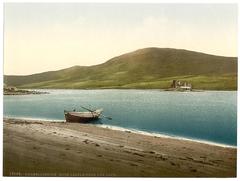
17, 92
161, 135
44, 148
157, 89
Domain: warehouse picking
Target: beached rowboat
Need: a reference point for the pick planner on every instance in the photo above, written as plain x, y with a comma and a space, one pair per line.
82, 117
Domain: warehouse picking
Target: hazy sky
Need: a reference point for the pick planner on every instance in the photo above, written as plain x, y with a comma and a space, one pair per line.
50, 36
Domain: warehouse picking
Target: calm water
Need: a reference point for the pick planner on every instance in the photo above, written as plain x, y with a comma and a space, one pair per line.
210, 115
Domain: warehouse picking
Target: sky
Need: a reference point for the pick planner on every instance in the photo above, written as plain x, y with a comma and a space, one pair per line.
42, 37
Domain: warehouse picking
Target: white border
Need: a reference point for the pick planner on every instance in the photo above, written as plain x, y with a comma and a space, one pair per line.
105, 1
130, 1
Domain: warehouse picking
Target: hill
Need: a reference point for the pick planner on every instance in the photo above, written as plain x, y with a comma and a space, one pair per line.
149, 68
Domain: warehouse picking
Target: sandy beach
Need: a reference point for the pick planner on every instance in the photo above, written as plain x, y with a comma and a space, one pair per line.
41, 148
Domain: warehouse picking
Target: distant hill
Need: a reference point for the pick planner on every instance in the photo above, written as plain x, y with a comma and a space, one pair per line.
149, 68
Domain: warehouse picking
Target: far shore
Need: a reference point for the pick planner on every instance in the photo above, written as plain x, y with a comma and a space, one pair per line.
43, 148
22, 92
117, 88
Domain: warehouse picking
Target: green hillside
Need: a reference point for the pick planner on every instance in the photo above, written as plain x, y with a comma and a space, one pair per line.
149, 68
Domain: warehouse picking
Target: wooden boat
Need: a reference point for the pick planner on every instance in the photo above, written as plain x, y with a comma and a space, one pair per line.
82, 117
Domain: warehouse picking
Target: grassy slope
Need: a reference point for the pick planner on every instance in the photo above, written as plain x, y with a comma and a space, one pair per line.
149, 68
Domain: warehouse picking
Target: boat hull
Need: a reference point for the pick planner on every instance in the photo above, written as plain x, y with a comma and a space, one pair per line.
77, 119
82, 117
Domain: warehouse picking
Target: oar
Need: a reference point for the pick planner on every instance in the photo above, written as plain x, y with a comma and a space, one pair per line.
87, 109
95, 112
106, 116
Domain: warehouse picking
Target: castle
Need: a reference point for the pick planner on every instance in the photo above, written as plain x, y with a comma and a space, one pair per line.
178, 85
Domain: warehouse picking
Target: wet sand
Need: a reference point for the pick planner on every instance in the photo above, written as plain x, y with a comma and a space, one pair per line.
40, 148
